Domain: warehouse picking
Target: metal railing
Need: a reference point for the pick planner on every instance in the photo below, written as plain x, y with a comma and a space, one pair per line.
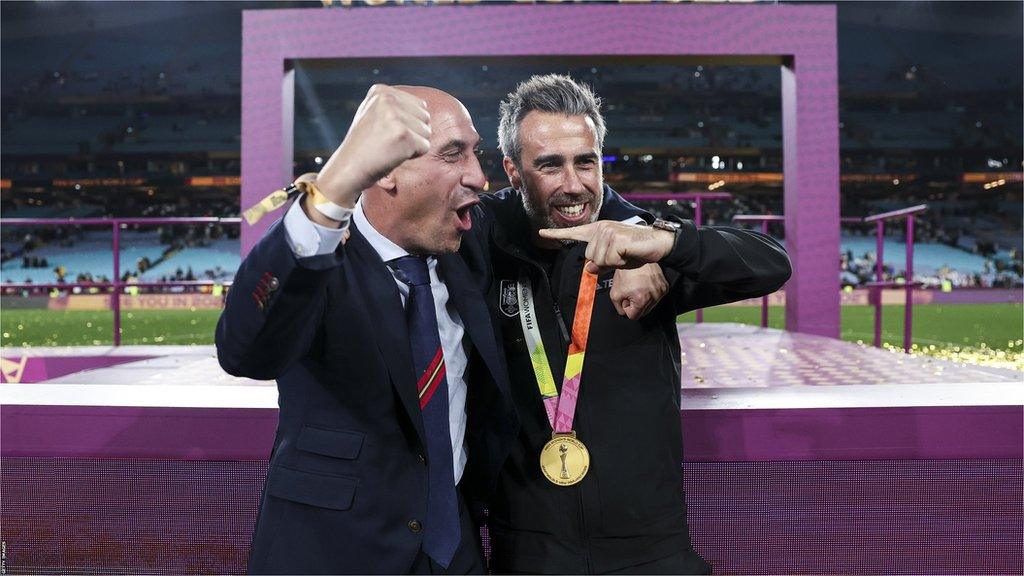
879, 284
116, 284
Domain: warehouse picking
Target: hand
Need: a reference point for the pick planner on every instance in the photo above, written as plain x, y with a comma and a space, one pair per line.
390, 127
614, 245
636, 292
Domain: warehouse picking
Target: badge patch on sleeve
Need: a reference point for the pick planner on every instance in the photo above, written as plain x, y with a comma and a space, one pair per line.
508, 300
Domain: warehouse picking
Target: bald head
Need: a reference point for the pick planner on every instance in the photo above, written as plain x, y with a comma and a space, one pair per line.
423, 204
431, 96
440, 104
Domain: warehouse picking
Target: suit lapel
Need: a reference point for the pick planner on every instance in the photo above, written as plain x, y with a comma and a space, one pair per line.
475, 318
387, 314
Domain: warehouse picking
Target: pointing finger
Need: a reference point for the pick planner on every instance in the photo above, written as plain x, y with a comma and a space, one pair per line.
582, 233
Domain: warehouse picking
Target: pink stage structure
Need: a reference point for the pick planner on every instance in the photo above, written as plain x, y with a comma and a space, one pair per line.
803, 454
799, 40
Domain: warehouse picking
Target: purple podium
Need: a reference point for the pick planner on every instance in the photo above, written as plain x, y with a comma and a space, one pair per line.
803, 454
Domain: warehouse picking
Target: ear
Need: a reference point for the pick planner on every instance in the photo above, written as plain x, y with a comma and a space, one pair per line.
514, 177
388, 182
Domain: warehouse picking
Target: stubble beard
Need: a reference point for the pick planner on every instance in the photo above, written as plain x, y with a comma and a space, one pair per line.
541, 218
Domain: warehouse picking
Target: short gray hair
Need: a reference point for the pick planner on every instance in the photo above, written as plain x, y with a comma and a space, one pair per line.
555, 93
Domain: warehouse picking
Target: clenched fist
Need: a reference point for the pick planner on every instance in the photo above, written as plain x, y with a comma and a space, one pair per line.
390, 127
614, 245
636, 292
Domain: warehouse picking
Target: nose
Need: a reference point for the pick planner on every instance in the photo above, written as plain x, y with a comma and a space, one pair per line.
572, 182
473, 177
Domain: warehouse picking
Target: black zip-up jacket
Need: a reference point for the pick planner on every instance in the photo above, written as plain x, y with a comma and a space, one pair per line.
630, 509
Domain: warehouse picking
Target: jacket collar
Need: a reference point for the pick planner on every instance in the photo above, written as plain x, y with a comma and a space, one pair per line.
384, 303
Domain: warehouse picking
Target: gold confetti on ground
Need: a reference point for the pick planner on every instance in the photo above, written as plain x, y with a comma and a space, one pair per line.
1012, 358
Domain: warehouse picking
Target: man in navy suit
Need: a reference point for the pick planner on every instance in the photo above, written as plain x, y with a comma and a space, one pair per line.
393, 392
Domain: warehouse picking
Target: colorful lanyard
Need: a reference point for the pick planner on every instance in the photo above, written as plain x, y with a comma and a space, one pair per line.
561, 409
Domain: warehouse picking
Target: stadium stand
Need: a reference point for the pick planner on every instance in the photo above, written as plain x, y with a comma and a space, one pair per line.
159, 116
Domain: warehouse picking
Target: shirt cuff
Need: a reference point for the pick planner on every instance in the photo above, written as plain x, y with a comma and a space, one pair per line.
635, 220
307, 238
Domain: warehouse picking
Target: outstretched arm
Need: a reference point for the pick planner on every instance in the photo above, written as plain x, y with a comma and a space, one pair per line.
717, 264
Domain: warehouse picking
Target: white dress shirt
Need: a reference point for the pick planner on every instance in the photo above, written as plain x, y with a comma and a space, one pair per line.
307, 238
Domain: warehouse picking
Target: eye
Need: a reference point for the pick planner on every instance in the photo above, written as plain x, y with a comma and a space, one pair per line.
453, 156
478, 151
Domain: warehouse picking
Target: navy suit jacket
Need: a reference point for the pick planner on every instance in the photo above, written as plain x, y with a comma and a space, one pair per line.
347, 484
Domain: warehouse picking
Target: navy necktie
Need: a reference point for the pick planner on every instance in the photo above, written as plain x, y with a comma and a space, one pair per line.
442, 536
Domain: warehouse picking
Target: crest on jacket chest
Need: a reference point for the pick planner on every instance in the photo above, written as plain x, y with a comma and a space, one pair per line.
508, 298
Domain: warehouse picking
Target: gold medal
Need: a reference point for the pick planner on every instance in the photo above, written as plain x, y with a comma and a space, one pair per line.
564, 459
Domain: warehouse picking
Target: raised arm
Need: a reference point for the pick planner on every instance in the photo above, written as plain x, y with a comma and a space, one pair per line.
276, 304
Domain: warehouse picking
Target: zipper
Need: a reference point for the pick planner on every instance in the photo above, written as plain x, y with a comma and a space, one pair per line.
584, 532
561, 322
547, 282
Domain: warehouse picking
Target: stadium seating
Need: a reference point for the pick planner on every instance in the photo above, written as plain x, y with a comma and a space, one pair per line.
221, 254
928, 257
90, 255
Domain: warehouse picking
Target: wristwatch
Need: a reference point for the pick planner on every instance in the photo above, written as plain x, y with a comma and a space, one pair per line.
669, 226
673, 227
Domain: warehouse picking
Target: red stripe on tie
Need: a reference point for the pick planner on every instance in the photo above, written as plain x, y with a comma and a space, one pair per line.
432, 386
431, 368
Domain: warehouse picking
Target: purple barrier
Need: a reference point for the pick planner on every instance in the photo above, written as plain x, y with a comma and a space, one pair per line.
39, 368
891, 516
802, 454
962, 516
919, 432
889, 490
137, 432
978, 296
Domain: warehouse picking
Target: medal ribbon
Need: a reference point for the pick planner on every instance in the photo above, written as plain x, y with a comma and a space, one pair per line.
561, 409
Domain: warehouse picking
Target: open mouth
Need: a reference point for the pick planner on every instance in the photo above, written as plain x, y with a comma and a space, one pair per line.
572, 213
464, 215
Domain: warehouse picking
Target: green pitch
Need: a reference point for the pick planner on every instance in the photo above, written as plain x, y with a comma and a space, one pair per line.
998, 326
96, 328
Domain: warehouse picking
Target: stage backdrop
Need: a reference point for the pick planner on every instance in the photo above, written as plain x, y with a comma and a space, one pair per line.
800, 40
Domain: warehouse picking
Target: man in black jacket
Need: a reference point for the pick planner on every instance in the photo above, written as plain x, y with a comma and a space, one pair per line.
609, 496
